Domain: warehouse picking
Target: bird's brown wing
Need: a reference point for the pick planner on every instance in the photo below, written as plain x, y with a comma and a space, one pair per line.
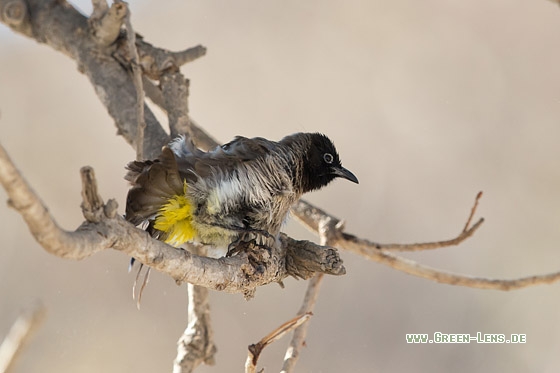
222, 159
153, 183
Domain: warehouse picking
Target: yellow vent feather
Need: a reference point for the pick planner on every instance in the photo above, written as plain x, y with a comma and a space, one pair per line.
175, 219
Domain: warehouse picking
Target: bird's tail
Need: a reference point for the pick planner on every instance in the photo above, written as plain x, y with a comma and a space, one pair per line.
154, 183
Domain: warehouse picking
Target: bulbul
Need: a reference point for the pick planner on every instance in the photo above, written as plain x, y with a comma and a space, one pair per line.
239, 191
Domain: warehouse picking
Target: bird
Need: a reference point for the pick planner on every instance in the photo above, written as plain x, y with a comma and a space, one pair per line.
238, 192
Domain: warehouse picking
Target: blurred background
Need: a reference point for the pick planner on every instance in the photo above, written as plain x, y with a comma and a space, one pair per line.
428, 103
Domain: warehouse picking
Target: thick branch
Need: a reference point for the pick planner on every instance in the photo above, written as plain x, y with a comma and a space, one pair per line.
15, 14
175, 92
63, 28
303, 259
59, 25
196, 344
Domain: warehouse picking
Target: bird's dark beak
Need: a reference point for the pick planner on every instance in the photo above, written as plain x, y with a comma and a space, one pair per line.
345, 174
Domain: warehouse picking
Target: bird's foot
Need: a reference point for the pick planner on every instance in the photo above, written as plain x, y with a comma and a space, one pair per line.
241, 245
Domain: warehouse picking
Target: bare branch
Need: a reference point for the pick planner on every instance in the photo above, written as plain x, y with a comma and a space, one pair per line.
303, 259
153, 92
473, 211
92, 203
200, 137
327, 228
59, 25
175, 91
414, 246
15, 14
157, 61
24, 200
136, 79
311, 216
256, 349
196, 344
188, 55
298, 339
100, 7
437, 275
18, 336
106, 22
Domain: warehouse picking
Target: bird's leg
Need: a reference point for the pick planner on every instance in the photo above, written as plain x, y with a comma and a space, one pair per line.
243, 243
238, 245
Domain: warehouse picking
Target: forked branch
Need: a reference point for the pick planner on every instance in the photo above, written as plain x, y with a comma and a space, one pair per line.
311, 216
256, 349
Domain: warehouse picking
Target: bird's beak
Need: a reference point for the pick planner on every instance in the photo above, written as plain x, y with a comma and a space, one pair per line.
344, 173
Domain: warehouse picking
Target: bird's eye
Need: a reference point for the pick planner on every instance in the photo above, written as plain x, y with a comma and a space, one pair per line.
328, 158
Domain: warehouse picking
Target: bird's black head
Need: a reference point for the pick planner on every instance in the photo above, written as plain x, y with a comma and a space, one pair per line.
321, 163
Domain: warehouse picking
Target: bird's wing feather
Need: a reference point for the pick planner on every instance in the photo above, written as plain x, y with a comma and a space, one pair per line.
153, 183
193, 162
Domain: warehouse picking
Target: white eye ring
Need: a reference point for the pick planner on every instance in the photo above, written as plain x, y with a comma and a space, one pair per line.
328, 158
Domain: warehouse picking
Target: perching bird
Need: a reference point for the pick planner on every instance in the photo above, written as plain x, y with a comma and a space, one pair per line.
236, 192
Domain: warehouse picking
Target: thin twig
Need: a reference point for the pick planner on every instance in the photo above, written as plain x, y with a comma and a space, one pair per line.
256, 349
188, 55
327, 232
200, 137
310, 216
413, 268
137, 80
298, 339
473, 211
414, 246
157, 61
19, 335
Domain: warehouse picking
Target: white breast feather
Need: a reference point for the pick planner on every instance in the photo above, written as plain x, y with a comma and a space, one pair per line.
246, 186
